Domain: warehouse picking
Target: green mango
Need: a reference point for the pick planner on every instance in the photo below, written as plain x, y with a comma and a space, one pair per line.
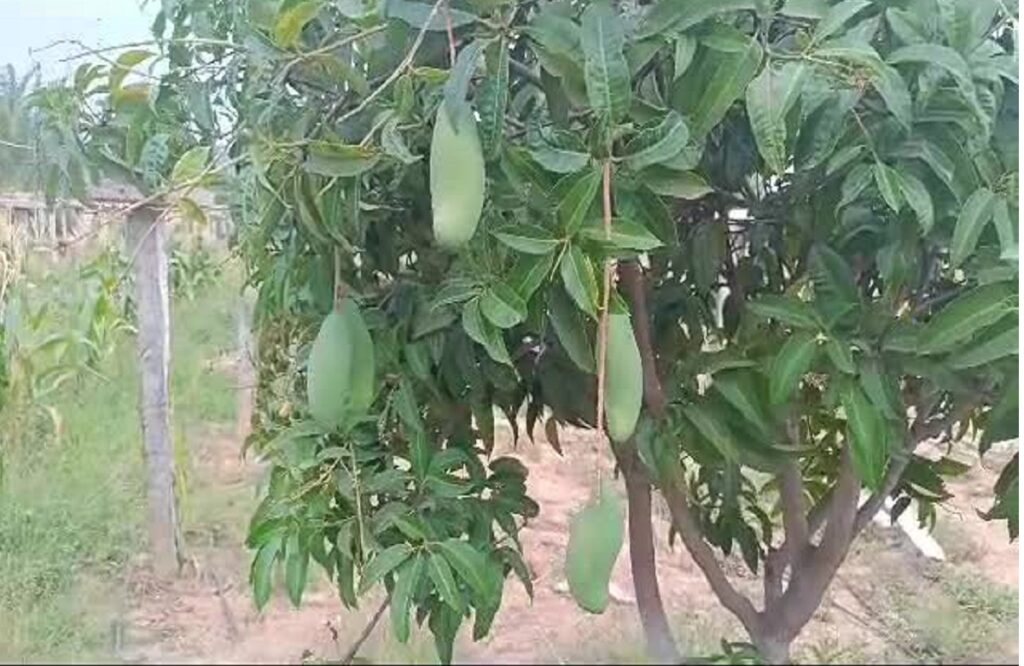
456, 178
624, 379
595, 540
340, 373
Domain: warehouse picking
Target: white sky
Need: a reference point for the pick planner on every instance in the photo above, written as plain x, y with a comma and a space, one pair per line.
31, 24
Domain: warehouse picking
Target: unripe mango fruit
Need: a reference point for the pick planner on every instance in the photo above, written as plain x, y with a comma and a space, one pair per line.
456, 177
595, 539
624, 379
340, 371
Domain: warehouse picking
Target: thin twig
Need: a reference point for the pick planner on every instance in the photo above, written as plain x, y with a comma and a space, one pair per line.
367, 630
398, 71
602, 332
451, 34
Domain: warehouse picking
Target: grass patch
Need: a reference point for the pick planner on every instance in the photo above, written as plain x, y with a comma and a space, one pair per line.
72, 506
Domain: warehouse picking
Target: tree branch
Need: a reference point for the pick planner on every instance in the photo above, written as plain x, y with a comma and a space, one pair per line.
791, 496
351, 653
673, 483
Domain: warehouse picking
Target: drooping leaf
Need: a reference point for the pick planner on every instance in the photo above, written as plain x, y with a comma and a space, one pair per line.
572, 209
770, 96
714, 429
975, 214
685, 48
295, 568
893, 90
739, 389
457, 85
444, 582
625, 235
468, 562
492, 103
605, 68
918, 197
578, 277
1005, 229
570, 327
790, 364
483, 332
867, 439
887, 181
999, 346
408, 578
262, 572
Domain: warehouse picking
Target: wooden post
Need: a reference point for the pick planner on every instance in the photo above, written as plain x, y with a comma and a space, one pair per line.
147, 237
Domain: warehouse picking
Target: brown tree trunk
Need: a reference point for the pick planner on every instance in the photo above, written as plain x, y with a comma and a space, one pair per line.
660, 645
147, 239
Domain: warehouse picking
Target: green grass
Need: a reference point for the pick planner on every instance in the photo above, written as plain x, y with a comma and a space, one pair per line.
72, 506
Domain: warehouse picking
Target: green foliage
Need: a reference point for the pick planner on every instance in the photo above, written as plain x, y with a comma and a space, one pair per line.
834, 165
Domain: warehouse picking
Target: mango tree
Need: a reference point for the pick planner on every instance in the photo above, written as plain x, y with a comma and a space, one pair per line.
769, 248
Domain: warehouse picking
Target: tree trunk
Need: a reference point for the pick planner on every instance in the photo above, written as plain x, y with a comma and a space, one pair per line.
148, 245
661, 647
773, 649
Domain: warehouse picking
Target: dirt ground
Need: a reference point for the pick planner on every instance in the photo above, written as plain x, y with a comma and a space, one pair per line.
208, 615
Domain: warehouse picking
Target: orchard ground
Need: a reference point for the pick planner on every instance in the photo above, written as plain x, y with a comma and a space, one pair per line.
75, 586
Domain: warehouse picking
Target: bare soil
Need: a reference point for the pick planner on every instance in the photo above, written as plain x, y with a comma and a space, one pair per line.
208, 616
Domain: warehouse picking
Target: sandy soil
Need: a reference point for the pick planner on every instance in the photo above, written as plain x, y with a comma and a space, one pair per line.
208, 615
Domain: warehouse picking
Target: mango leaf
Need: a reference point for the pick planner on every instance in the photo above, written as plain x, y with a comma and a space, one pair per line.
296, 564
483, 332
677, 184
605, 69
841, 356
328, 158
866, 436
530, 272
190, 165
856, 181
790, 364
678, 15
716, 79
835, 289
836, 18
420, 14
657, 144
457, 85
999, 346
262, 572
559, 160
469, 563
893, 91
124, 64
966, 315
290, 22
382, 564
937, 55
502, 305
770, 96
572, 209
570, 327
877, 386
918, 197
714, 429
785, 310
805, 9
189, 210
685, 48
407, 580
887, 181
1005, 229
444, 582
625, 235
578, 277
1003, 419
739, 389
492, 103
975, 214
528, 238
393, 144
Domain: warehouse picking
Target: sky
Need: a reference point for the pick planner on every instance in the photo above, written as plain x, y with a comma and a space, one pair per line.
30, 24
